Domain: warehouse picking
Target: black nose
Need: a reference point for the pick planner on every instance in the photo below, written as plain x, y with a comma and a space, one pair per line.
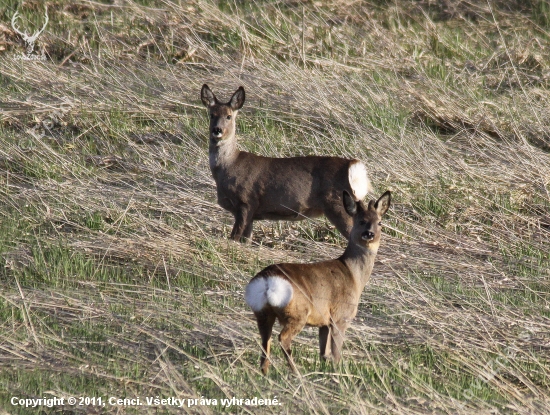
216, 130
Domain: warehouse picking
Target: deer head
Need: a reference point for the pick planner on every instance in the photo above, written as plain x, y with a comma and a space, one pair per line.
222, 115
29, 40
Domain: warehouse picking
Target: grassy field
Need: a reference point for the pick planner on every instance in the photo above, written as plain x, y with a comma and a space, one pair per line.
117, 278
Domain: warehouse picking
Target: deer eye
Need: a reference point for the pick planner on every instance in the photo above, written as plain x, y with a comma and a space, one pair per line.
229, 117
379, 223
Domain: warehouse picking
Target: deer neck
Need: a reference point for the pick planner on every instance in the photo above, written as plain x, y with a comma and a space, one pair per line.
360, 261
223, 153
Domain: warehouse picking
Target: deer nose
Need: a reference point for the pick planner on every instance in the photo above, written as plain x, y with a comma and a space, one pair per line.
367, 236
217, 131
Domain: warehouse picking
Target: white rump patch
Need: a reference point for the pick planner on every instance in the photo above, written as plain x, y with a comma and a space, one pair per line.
272, 290
279, 292
358, 179
255, 294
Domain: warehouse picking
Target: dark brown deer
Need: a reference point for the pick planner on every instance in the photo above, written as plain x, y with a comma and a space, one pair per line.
254, 187
324, 294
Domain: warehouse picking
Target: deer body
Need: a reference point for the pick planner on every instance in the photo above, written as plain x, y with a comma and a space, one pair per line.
254, 187
324, 294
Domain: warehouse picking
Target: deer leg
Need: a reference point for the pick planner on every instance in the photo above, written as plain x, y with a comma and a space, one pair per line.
337, 339
290, 330
339, 218
265, 325
324, 341
243, 223
247, 234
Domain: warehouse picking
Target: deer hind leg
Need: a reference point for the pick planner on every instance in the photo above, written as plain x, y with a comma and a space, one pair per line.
243, 224
290, 330
324, 342
339, 218
265, 325
337, 339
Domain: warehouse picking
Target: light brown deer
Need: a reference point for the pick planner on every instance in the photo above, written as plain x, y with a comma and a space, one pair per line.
254, 187
324, 294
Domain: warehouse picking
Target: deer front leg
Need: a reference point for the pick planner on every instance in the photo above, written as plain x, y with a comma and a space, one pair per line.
324, 342
242, 229
337, 339
247, 233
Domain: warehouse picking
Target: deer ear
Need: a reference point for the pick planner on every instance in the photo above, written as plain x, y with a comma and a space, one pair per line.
237, 100
349, 204
383, 204
207, 96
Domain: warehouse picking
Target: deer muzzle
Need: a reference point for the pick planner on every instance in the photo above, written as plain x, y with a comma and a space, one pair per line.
217, 132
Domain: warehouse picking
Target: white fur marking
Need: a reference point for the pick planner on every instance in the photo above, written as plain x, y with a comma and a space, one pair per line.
272, 290
279, 292
255, 294
358, 179
373, 246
